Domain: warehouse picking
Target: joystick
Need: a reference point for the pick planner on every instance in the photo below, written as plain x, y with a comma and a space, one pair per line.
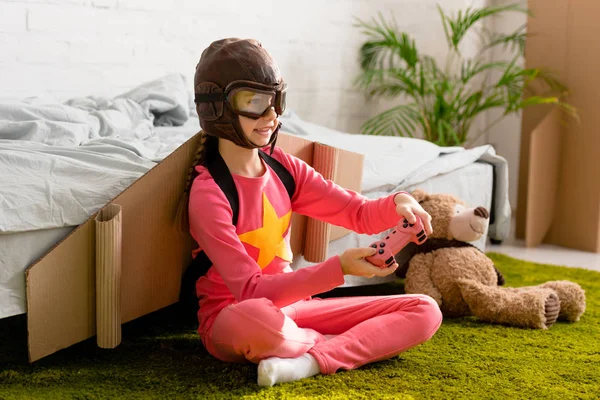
396, 240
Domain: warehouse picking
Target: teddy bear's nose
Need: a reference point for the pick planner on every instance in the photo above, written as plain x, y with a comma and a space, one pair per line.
482, 212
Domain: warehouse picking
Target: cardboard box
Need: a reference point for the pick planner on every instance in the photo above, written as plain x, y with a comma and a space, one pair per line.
559, 189
144, 253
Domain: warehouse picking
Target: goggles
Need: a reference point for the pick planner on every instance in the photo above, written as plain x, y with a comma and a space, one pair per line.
247, 98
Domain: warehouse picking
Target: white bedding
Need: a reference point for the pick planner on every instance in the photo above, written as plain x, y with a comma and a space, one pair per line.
397, 163
61, 162
472, 182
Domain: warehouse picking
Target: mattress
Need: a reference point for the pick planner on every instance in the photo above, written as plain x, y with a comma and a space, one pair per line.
20, 249
473, 183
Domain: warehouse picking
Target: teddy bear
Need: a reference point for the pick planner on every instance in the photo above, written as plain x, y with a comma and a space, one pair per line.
464, 281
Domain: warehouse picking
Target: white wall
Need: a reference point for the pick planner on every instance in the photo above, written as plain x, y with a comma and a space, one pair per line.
103, 47
72, 48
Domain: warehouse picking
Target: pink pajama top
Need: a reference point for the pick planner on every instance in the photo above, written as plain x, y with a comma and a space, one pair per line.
253, 259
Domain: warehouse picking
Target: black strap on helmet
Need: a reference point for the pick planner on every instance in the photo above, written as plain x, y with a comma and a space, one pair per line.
208, 97
220, 173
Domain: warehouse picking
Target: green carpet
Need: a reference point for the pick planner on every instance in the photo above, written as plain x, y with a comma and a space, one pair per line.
161, 357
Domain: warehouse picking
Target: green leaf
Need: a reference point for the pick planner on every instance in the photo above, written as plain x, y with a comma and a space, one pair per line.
457, 27
537, 100
386, 46
441, 134
473, 67
397, 121
390, 83
493, 100
512, 41
453, 137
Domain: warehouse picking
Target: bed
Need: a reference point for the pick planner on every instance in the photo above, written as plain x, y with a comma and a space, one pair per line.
60, 162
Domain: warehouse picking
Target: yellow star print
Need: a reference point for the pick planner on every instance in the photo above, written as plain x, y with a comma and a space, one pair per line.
269, 239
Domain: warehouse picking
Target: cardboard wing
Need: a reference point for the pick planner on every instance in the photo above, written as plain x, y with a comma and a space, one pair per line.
559, 189
127, 260
544, 171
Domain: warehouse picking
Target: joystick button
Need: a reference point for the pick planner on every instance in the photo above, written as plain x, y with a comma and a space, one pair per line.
374, 245
381, 251
382, 244
405, 226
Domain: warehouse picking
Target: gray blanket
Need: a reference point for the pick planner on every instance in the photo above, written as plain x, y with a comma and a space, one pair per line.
61, 162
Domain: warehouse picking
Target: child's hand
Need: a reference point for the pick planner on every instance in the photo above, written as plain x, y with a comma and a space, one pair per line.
353, 263
408, 207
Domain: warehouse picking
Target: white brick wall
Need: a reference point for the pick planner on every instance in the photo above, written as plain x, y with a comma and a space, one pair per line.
70, 48
13, 18
67, 48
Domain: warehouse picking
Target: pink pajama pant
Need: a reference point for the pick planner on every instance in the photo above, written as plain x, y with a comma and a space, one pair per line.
368, 329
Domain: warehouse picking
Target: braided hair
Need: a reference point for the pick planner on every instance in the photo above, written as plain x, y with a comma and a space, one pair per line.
208, 145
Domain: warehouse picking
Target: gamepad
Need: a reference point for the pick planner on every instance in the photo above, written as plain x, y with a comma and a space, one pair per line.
397, 239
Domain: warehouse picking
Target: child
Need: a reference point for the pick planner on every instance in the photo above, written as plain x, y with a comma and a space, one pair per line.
253, 306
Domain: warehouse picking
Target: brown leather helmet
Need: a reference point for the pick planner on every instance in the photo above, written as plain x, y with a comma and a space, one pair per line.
229, 70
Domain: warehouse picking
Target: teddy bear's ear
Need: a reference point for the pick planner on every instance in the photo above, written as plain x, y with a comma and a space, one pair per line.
419, 195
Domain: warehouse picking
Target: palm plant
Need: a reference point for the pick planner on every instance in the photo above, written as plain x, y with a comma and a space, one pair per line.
443, 103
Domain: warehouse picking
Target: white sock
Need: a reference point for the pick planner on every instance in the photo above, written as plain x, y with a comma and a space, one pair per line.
278, 370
